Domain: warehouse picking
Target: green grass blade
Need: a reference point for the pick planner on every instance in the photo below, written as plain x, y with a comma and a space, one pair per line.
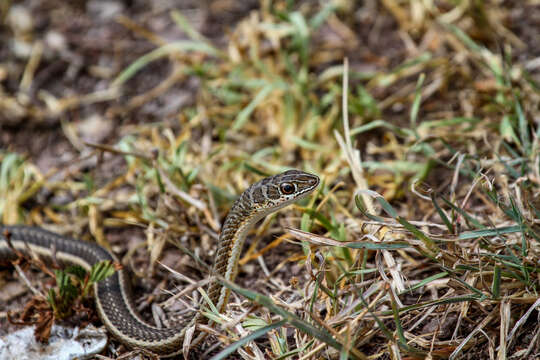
417, 100
183, 23
442, 214
243, 341
490, 232
496, 285
462, 212
425, 282
523, 126
165, 50
403, 132
290, 318
244, 115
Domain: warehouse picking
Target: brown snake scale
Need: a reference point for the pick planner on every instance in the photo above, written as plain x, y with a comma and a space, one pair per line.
112, 295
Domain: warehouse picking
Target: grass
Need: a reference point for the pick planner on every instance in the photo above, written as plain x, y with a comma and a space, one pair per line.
422, 240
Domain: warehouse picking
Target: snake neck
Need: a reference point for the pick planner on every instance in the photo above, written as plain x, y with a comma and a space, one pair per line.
239, 221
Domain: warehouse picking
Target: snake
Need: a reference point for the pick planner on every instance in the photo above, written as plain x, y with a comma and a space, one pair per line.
112, 295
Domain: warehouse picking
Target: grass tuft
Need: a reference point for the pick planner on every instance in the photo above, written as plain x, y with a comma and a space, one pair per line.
420, 117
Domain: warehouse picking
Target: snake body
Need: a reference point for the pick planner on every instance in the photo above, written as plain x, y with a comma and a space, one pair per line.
112, 295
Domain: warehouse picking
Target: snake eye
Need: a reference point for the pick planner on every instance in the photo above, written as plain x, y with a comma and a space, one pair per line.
287, 188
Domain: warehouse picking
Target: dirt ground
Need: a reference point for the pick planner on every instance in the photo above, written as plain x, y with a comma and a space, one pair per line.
59, 58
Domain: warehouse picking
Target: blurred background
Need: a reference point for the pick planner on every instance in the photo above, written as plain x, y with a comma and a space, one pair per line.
137, 123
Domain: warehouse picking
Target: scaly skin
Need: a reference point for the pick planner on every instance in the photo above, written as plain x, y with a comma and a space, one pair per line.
112, 295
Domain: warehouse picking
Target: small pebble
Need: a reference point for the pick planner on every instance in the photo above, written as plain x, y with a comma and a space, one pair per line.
94, 128
104, 10
20, 20
55, 40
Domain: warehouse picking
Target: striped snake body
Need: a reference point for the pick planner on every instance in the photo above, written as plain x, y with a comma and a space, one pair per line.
112, 296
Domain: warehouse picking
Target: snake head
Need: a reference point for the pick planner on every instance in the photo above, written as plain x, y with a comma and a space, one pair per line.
280, 190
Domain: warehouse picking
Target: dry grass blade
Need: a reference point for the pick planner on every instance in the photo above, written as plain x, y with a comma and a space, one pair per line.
136, 125
291, 318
